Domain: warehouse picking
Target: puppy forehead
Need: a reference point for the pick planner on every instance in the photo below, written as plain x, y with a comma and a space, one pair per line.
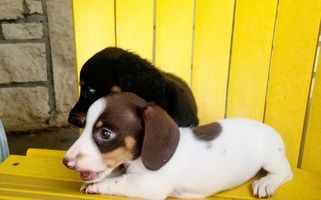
95, 110
116, 110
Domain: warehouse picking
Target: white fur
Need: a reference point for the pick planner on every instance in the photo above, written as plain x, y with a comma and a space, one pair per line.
198, 169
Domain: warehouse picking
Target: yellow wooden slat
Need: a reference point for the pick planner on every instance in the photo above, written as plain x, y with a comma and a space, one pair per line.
94, 27
46, 153
45, 168
41, 178
305, 185
251, 53
293, 56
312, 149
134, 25
8, 191
174, 25
213, 28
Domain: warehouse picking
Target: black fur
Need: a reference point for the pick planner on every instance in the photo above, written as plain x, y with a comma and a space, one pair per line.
117, 67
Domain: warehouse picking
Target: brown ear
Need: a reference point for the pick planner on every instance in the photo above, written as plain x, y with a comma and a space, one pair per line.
161, 137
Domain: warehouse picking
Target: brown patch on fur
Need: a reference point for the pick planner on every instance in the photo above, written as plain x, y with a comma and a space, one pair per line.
130, 142
208, 132
81, 83
81, 117
98, 124
115, 89
117, 157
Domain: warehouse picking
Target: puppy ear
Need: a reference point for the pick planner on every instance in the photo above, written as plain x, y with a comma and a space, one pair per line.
161, 137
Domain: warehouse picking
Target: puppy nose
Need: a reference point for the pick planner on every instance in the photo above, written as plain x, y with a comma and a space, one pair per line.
71, 164
77, 119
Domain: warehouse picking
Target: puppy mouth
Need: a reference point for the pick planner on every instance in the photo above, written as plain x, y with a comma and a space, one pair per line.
90, 176
77, 119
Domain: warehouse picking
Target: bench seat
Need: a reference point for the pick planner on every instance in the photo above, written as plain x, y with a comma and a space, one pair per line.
41, 175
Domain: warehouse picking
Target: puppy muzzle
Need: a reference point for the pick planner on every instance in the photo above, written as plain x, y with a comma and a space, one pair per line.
77, 119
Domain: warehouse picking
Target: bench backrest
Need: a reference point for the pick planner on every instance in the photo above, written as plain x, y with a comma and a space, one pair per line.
254, 59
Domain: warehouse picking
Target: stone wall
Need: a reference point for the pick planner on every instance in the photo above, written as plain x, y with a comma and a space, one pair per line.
37, 66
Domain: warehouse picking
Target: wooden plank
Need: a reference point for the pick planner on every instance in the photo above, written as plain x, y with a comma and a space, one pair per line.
45, 168
41, 178
250, 62
94, 28
305, 185
312, 150
134, 26
174, 25
212, 39
293, 59
46, 153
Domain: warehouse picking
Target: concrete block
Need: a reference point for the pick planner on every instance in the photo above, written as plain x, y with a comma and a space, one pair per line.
11, 9
22, 31
20, 63
23, 109
35, 7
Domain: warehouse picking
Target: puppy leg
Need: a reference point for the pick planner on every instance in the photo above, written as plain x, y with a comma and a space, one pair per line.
279, 172
130, 185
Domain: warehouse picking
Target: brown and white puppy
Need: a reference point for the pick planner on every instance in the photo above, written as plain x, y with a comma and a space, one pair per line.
163, 160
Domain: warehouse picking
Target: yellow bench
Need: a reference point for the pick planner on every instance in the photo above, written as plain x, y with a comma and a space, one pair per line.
245, 58
41, 175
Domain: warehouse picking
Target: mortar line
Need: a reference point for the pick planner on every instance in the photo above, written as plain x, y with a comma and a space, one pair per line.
49, 66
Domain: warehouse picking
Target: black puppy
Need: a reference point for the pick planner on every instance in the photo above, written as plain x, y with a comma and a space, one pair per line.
115, 70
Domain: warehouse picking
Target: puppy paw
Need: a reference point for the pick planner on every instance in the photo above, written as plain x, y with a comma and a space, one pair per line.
84, 187
90, 188
263, 188
102, 187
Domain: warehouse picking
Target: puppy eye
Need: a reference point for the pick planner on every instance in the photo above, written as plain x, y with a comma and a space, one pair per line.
105, 134
88, 91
